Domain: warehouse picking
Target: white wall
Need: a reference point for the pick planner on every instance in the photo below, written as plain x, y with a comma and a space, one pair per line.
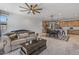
16, 21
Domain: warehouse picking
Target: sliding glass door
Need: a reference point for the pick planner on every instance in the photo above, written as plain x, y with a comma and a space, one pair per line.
3, 24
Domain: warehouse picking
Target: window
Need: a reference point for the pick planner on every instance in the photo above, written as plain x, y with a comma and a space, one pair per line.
3, 20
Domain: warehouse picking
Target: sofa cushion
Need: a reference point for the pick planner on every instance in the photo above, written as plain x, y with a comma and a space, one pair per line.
17, 42
12, 36
32, 35
22, 35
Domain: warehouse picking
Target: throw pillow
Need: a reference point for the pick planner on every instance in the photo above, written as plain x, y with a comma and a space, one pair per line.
13, 36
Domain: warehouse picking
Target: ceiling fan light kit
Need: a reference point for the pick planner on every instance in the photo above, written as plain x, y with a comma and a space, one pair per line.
33, 8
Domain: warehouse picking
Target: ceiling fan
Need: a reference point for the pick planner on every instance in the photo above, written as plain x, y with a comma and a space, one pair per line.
33, 8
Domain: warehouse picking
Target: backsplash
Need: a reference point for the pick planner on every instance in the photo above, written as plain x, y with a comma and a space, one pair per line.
74, 28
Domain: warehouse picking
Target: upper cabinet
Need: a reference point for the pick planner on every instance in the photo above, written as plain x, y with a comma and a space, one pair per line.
72, 23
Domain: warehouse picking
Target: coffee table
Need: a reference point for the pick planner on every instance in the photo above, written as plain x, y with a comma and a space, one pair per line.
36, 47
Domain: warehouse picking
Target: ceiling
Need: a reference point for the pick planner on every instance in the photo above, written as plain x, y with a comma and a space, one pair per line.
66, 10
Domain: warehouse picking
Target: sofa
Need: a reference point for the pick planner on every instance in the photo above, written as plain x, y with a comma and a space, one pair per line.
12, 43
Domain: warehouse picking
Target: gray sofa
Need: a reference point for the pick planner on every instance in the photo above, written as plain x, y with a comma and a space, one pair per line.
11, 45
14, 44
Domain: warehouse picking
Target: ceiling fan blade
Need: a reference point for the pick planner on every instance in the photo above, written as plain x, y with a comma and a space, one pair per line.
23, 10
22, 7
28, 12
35, 5
33, 12
38, 9
27, 5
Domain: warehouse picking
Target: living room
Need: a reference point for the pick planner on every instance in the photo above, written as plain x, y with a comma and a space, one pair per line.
55, 23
